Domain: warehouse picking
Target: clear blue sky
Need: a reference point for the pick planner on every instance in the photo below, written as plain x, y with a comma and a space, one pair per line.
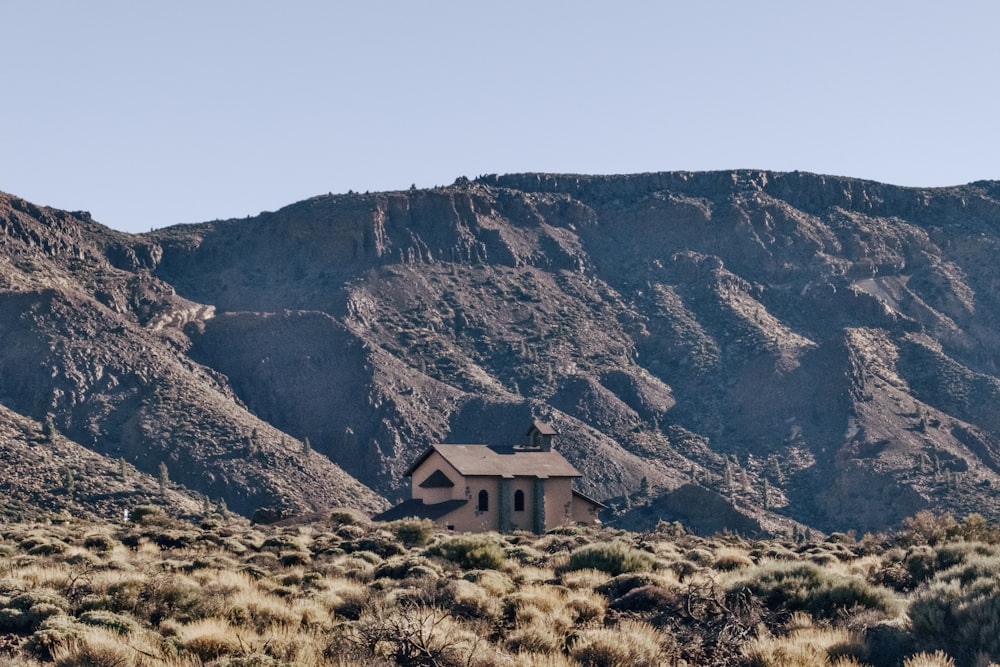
155, 113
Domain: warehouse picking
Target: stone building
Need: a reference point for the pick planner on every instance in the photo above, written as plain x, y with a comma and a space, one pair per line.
480, 488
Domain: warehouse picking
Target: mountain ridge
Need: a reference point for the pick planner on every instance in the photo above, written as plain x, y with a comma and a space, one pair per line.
807, 349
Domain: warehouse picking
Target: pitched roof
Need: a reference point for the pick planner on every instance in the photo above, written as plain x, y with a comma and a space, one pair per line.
500, 461
543, 428
417, 508
589, 499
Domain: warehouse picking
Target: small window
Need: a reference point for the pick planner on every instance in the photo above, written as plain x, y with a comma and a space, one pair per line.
484, 501
519, 501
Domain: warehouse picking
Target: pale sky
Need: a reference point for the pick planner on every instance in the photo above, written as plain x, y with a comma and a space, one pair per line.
155, 113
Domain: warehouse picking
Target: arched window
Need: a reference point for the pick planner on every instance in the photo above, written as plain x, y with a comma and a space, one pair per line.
519, 501
484, 501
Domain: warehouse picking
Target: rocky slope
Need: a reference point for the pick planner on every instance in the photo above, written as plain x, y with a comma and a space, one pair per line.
784, 349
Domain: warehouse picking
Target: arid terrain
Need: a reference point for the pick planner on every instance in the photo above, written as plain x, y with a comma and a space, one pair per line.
341, 592
774, 353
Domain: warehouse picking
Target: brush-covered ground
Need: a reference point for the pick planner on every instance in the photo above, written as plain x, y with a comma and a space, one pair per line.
341, 591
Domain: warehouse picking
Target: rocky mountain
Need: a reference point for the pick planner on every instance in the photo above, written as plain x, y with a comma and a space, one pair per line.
768, 351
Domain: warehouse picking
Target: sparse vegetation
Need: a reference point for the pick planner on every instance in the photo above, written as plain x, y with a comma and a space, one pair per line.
160, 591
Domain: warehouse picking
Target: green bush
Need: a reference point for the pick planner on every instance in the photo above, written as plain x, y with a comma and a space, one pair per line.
623, 583
54, 632
807, 587
412, 532
615, 558
293, 558
402, 567
99, 542
123, 625
959, 610
47, 549
470, 552
25, 612
148, 515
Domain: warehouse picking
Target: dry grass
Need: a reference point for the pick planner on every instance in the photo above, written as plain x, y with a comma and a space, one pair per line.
806, 647
167, 593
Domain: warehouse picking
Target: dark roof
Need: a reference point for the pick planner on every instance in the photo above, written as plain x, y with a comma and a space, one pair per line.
543, 428
500, 461
589, 499
416, 508
437, 480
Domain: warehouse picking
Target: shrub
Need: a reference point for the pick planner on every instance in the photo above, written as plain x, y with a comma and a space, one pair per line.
342, 518
936, 659
470, 552
959, 610
47, 549
805, 647
926, 527
728, 559
534, 638
612, 557
806, 587
52, 633
631, 644
25, 612
100, 648
412, 532
646, 599
466, 600
401, 568
623, 583
280, 543
380, 543
109, 620
210, 639
495, 582
293, 558
920, 562
148, 515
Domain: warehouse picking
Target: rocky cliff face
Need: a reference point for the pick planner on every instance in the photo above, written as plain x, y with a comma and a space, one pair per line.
796, 348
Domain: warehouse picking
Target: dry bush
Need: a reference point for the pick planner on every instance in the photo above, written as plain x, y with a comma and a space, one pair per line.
211, 638
539, 604
585, 607
540, 660
497, 583
408, 567
467, 600
53, 633
259, 610
623, 583
936, 659
806, 647
587, 579
805, 586
630, 644
414, 634
730, 558
534, 638
98, 647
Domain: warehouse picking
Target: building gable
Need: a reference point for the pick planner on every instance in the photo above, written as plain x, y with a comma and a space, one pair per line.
437, 480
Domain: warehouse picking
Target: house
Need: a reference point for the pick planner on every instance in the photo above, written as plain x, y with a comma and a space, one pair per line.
481, 487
